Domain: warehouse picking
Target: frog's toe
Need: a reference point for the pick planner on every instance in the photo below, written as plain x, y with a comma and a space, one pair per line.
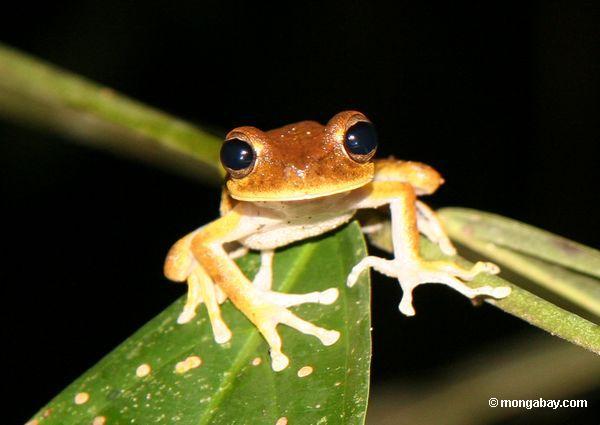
327, 337
382, 265
279, 361
221, 332
328, 296
287, 300
194, 299
186, 315
406, 306
469, 274
501, 292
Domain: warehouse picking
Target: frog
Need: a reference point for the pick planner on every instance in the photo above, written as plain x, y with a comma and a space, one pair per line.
297, 182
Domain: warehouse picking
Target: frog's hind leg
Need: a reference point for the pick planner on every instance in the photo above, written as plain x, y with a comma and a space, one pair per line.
429, 224
265, 309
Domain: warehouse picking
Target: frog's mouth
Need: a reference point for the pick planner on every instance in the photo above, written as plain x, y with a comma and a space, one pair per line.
299, 195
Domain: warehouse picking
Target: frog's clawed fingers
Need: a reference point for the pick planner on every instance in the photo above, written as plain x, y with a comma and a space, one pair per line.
417, 272
267, 321
268, 311
200, 286
202, 289
272, 311
194, 299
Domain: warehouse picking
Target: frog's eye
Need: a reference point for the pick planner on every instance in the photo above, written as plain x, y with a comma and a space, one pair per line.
237, 156
360, 141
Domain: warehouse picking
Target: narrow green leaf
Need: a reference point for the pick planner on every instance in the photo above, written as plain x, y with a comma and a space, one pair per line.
465, 224
582, 291
227, 388
43, 95
520, 303
533, 309
533, 254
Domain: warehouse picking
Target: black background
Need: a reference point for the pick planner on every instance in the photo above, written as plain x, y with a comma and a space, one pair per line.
501, 98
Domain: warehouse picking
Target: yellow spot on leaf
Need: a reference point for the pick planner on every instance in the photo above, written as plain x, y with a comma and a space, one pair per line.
82, 398
191, 362
282, 421
194, 361
99, 420
143, 370
305, 371
256, 361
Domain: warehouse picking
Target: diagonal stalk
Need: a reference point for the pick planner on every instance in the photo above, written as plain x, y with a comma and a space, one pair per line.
466, 225
47, 97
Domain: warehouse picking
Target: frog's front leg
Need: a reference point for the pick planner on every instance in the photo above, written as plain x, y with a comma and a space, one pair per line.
424, 180
407, 266
264, 277
266, 309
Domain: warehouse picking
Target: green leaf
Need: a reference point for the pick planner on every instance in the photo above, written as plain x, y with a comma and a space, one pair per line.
538, 311
520, 303
466, 224
549, 261
227, 388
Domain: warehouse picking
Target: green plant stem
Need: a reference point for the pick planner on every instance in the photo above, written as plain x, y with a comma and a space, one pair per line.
42, 95
533, 309
562, 267
466, 225
577, 288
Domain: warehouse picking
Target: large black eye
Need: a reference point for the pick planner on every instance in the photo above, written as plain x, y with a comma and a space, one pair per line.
237, 156
361, 141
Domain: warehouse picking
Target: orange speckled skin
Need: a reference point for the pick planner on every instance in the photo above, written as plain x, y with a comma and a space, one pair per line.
300, 161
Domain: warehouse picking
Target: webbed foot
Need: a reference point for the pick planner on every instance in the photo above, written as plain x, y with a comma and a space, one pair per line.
267, 309
415, 272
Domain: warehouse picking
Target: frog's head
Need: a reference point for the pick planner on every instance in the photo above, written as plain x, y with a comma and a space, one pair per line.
300, 161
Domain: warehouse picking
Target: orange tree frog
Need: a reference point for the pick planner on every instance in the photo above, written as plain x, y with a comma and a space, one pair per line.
297, 182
